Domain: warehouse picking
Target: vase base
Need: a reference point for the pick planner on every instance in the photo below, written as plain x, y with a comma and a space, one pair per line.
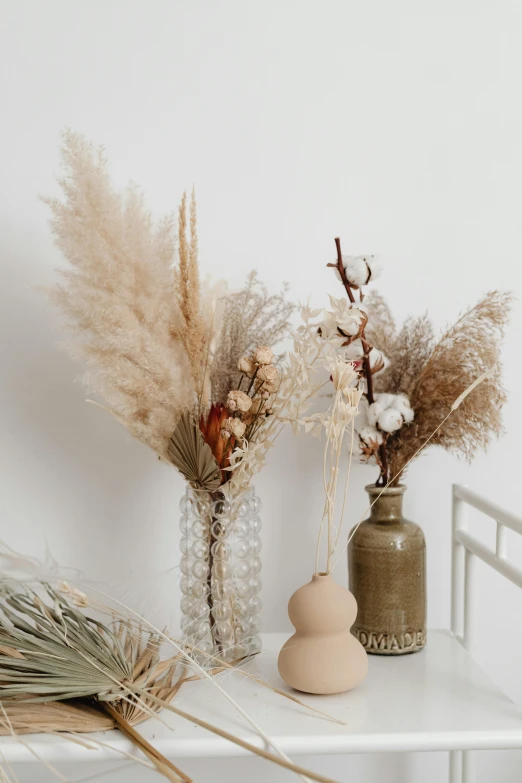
389, 642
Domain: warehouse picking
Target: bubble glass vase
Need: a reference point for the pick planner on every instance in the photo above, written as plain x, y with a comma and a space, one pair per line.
220, 573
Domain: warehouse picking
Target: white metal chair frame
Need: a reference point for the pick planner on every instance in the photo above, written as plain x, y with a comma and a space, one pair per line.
465, 551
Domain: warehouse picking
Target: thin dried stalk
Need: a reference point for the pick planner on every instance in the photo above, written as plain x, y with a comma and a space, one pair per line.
195, 332
166, 767
381, 330
280, 761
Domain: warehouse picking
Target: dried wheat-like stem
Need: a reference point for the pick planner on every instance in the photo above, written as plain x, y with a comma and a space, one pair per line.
194, 334
279, 760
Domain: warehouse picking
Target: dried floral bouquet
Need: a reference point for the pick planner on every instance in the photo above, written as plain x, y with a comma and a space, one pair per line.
411, 379
190, 369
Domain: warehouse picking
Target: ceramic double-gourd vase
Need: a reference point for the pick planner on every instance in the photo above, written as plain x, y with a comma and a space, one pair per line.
322, 656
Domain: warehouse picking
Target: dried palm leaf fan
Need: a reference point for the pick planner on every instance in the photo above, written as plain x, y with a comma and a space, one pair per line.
192, 456
62, 670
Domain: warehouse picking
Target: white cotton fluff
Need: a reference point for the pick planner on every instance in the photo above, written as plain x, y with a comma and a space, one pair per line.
374, 267
402, 404
357, 270
353, 351
370, 435
374, 411
360, 270
377, 357
350, 320
385, 400
390, 420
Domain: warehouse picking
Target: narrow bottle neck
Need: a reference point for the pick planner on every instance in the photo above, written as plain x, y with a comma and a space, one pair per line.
387, 507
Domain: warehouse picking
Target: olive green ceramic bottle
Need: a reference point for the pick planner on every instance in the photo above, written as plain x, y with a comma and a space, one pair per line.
387, 568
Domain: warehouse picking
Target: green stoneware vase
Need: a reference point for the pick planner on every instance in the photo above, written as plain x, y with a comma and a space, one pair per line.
387, 569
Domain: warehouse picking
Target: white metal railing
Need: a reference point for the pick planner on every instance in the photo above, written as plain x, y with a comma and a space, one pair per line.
466, 548
465, 551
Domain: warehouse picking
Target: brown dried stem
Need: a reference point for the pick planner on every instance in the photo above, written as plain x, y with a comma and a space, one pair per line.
163, 765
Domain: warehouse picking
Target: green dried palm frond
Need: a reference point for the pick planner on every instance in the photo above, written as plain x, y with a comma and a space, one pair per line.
62, 669
189, 453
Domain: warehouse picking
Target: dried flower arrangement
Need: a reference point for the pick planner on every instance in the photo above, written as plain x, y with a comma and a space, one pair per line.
188, 368
411, 378
161, 347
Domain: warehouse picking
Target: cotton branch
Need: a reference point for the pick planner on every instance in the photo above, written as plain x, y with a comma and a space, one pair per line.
366, 356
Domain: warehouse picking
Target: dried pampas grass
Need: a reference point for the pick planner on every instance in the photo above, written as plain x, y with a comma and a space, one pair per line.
251, 317
157, 342
119, 296
194, 335
434, 373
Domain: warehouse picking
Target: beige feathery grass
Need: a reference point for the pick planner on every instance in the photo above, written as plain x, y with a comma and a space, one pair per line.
118, 293
251, 317
466, 350
195, 333
434, 372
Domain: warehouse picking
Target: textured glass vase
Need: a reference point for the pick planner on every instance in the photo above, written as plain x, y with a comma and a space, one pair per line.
220, 573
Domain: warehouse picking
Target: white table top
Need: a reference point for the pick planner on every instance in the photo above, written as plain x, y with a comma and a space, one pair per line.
438, 699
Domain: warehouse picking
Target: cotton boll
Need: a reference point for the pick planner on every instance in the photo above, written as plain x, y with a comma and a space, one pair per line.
374, 267
356, 270
378, 360
402, 404
351, 320
370, 435
354, 351
374, 411
390, 420
385, 400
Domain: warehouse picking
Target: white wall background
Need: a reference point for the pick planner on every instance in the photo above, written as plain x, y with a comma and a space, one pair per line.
394, 125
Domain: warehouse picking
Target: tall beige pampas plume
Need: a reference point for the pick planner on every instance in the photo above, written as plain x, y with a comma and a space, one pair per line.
118, 293
195, 333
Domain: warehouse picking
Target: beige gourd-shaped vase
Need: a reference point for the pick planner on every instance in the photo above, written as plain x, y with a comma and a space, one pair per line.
322, 656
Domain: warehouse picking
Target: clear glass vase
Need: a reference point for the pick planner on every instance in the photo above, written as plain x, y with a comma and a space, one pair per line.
220, 573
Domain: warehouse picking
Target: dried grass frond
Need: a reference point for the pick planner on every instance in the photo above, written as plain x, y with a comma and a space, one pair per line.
380, 330
408, 354
251, 317
54, 716
466, 350
195, 332
118, 296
